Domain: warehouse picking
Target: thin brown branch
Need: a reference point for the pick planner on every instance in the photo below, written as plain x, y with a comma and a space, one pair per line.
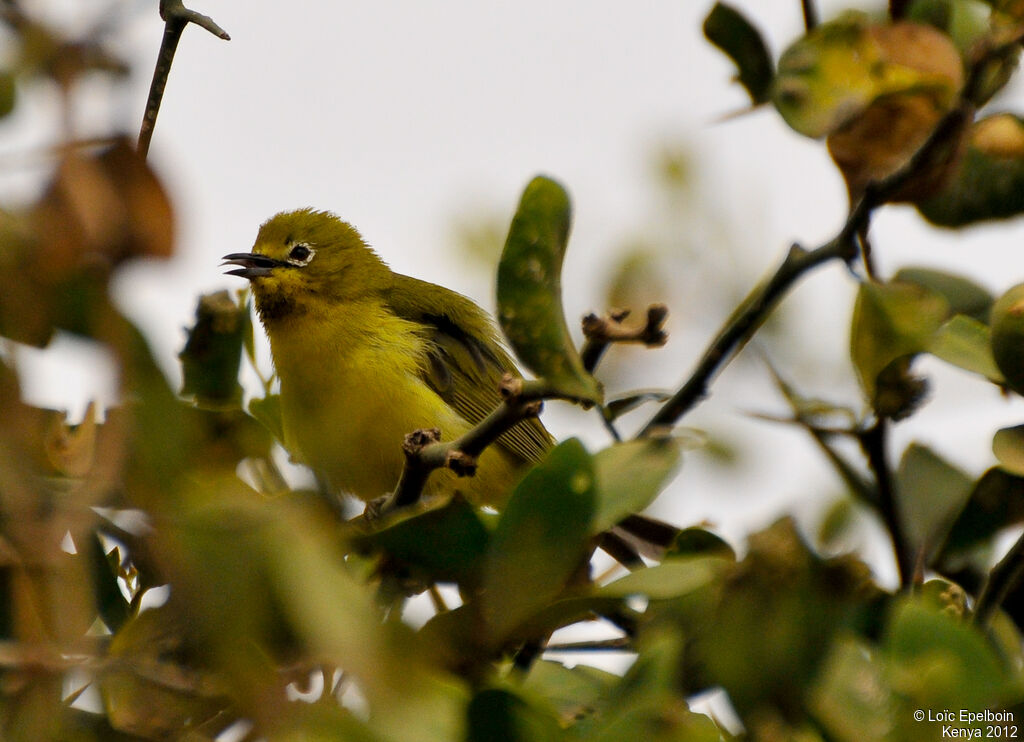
600, 332
176, 16
810, 11
874, 443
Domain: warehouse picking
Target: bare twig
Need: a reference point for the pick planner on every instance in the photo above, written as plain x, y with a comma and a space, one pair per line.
176, 16
873, 442
601, 332
810, 14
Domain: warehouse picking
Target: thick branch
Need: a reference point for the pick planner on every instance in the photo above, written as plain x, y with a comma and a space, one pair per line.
176, 16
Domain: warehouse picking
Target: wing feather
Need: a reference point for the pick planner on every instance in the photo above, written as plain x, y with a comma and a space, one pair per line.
465, 361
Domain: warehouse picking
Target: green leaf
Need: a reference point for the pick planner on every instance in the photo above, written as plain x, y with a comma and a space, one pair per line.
443, 544
630, 475
964, 295
940, 661
930, 494
572, 691
541, 539
996, 502
267, 411
1008, 447
966, 343
989, 182
213, 353
835, 72
530, 292
966, 21
892, 321
645, 706
496, 714
113, 608
670, 579
695, 541
846, 699
730, 31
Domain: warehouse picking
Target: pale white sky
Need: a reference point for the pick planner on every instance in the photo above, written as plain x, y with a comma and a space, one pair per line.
403, 116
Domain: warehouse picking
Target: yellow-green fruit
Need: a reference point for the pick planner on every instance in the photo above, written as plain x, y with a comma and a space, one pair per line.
1007, 323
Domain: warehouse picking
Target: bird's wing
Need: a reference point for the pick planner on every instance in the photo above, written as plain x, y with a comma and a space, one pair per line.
465, 362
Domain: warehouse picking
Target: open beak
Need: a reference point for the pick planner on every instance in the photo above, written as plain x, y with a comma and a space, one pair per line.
251, 265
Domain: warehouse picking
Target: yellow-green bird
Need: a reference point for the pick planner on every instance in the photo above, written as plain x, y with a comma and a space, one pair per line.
366, 355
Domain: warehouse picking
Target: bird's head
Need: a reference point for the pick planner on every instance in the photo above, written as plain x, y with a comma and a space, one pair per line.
307, 259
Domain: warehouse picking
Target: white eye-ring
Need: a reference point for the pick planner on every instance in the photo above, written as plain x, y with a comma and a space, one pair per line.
301, 254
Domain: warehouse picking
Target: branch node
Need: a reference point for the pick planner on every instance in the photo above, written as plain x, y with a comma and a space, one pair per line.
414, 443
461, 463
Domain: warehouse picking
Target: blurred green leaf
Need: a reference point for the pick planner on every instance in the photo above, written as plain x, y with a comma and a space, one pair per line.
572, 691
696, 541
996, 502
964, 295
670, 579
966, 343
1008, 447
930, 495
113, 608
541, 540
496, 714
630, 475
530, 291
762, 634
940, 661
847, 700
212, 355
442, 544
267, 410
645, 704
835, 72
966, 21
892, 321
989, 182
730, 31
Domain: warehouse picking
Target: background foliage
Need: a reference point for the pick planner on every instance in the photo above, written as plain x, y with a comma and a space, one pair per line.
159, 579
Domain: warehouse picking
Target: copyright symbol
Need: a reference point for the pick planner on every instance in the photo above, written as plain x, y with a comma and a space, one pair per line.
919, 715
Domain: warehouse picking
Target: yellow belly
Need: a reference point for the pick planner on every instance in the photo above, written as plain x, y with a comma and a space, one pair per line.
348, 405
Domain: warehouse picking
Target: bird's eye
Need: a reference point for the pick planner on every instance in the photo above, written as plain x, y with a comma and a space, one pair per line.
300, 254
